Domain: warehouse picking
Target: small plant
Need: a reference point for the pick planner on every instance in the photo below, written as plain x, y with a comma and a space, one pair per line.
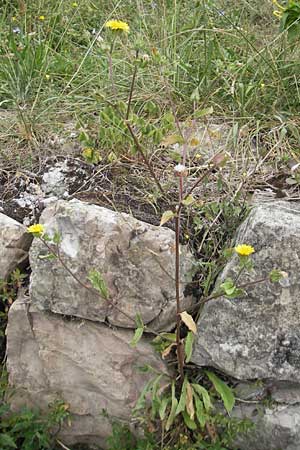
29, 429
289, 16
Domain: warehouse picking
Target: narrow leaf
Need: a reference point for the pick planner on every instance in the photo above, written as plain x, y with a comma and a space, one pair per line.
200, 411
98, 283
167, 350
188, 421
188, 321
137, 336
223, 390
188, 346
202, 392
204, 112
163, 407
189, 200
174, 405
167, 215
182, 400
139, 321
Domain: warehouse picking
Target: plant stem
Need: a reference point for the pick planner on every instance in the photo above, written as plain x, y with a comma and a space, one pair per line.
110, 69
132, 87
221, 294
180, 350
132, 133
85, 286
91, 289
144, 157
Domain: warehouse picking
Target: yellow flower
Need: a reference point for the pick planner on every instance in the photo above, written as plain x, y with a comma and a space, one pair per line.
14, 19
244, 250
36, 229
74, 4
278, 13
277, 4
117, 25
42, 18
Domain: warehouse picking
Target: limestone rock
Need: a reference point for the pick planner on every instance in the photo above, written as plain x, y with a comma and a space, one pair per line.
258, 335
136, 260
14, 245
89, 365
276, 428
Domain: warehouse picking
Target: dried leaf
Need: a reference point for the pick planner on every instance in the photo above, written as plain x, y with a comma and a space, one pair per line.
167, 215
189, 403
188, 321
167, 351
194, 142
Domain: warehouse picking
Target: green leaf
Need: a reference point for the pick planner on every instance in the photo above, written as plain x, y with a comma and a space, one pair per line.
56, 238
6, 441
49, 256
171, 140
204, 112
140, 404
174, 405
200, 390
182, 400
191, 424
188, 346
139, 321
276, 275
137, 336
163, 407
98, 283
200, 411
228, 286
188, 201
167, 215
223, 390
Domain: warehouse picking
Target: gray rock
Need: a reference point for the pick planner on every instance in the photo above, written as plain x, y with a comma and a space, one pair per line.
276, 428
258, 336
54, 181
14, 245
285, 392
89, 365
136, 260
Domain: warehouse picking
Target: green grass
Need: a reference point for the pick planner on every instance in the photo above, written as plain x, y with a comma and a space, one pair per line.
200, 63
228, 55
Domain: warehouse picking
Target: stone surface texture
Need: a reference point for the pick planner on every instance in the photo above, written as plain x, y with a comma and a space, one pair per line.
89, 365
276, 428
258, 336
14, 245
136, 260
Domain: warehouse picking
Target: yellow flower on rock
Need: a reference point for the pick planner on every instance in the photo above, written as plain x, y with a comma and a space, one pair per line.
117, 25
244, 250
36, 229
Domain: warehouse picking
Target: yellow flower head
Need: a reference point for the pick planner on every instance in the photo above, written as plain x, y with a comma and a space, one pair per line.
36, 229
74, 4
42, 18
278, 13
117, 25
244, 250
